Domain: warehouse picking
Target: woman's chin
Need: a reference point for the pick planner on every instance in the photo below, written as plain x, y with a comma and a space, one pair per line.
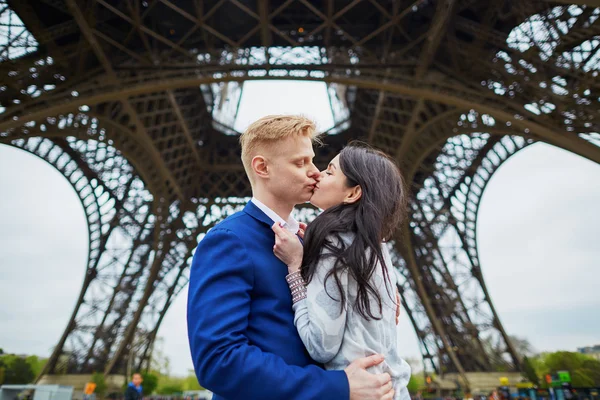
318, 205
314, 202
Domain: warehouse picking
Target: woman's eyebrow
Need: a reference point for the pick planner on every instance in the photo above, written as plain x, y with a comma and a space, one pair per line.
331, 165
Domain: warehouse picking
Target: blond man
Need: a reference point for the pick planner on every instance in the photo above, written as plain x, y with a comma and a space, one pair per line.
240, 320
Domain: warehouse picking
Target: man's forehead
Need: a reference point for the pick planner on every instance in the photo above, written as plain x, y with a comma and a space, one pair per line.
297, 147
308, 152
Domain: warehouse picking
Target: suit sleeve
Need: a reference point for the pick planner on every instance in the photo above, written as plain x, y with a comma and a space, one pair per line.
221, 282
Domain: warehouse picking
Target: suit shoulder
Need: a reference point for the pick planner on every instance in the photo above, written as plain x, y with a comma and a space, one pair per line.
236, 223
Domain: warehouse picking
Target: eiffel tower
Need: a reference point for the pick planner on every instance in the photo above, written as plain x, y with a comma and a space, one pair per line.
134, 102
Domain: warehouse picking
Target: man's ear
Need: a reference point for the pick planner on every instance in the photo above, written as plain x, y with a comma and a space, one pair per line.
260, 167
353, 195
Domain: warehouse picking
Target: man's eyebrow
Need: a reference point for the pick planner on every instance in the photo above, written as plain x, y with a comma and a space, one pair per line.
331, 165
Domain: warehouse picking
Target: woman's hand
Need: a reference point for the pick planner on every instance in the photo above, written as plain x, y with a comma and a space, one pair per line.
302, 229
287, 248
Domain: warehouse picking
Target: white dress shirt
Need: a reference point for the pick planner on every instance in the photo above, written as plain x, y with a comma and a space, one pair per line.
291, 224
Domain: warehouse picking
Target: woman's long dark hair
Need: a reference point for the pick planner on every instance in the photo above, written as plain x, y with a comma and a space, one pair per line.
373, 219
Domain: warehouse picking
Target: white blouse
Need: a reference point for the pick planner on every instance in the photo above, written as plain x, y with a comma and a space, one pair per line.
335, 336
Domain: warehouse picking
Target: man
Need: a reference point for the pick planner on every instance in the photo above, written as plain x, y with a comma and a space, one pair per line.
134, 389
240, 320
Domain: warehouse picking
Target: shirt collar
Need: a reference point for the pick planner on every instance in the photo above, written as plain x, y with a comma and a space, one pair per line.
291, 224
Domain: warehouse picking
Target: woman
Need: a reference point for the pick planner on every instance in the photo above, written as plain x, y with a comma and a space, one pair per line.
342, 280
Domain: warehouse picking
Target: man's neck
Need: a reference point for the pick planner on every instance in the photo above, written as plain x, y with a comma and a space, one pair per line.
283, 210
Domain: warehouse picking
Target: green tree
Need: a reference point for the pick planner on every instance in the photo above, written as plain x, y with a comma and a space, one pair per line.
8, 359
2, 371
98, 379
414, 384
580, 379
171, 388
170, 384
18, 371
584, 370
564, 360
529, 371
36, 363
191, 382
150, 383
592, 367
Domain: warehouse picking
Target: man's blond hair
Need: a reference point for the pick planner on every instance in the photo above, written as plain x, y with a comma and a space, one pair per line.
270, 129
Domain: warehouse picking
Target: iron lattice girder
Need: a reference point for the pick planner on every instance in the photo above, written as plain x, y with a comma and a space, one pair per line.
438, 86
116, 206
452, 94
446, 273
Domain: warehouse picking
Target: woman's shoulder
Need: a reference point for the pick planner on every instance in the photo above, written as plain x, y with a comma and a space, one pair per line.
347, 237
338, 240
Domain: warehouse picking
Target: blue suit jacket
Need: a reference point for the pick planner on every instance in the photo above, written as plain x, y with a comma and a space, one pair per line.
240, 320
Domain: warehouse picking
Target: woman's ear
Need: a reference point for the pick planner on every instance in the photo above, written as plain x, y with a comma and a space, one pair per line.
260, 167
353, 195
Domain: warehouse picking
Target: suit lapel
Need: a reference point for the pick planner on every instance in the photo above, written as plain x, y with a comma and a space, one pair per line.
256, 213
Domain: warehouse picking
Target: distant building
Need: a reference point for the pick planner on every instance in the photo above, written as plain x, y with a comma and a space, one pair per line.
593, 351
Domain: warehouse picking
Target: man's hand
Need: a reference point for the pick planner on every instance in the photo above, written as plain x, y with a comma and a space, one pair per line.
397, 306
367, 386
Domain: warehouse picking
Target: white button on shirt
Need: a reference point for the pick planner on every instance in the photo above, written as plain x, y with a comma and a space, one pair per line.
291, 224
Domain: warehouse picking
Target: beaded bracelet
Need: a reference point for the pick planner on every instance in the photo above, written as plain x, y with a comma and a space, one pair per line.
293, 276
297, 286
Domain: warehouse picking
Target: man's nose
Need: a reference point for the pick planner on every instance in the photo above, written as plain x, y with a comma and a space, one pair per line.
314, 173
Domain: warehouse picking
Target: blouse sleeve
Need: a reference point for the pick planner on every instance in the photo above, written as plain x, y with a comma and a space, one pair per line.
321, 318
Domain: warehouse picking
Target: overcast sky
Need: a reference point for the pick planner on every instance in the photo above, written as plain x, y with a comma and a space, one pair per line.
538, 232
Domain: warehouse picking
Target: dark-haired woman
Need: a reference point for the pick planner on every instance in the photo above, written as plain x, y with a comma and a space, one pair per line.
342, 281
